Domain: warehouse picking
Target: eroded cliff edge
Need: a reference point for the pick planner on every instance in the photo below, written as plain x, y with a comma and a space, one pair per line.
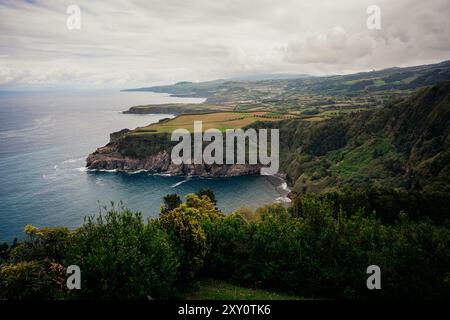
129, 152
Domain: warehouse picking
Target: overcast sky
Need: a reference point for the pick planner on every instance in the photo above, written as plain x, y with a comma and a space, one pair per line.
125, 44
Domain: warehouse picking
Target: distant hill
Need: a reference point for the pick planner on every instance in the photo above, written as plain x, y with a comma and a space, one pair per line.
269, 76
387, 81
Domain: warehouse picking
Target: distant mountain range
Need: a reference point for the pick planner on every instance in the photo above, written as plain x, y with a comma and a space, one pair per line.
269, 76
282, 87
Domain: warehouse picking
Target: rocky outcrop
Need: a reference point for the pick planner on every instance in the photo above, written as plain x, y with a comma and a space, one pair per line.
109, 158
176, 108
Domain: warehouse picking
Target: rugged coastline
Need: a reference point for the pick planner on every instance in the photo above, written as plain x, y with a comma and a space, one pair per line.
149, 150
151, 154
109, 158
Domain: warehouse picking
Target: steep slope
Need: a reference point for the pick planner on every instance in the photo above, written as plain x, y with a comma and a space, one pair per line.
403, 145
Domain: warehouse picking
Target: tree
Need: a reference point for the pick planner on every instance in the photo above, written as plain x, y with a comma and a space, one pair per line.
209, 193
171, 201
185, 225
4, 250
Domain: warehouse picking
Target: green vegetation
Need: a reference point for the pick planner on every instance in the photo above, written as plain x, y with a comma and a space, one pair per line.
217, 120
318, 248
171, 201
120, 246
404, 145
212, 289
209, 193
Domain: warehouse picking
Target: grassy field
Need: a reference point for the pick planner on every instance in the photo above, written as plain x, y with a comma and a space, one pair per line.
211, 289
217, 120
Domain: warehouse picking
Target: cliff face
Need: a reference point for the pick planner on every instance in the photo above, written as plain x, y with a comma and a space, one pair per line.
404, 145
109, 158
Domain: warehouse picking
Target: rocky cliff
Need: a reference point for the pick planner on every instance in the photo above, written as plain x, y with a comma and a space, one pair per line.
110, 157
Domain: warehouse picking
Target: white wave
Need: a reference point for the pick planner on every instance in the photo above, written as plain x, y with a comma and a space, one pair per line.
137, 171
85, 169
105, 170
284, 187
179, 183
73, 160
282, 200
160, 174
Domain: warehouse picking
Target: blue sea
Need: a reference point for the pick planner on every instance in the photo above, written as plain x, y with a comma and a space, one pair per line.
45, 138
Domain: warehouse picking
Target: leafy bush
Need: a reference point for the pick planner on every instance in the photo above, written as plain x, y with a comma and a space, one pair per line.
122, 258
171, 201
386, 203
31, 280
209, 193
184, 225
229, 252
42, 243
315, 252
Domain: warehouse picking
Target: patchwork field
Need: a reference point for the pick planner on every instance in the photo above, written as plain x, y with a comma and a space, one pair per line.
217, 120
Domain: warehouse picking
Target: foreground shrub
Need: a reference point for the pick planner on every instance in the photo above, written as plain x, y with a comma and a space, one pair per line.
32, 268
318, 253
31, 280
386, 203
122, 258
184, 225
229, 240
42, 243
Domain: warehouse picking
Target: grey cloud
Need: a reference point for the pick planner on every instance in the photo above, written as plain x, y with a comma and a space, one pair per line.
133, 43
413, 32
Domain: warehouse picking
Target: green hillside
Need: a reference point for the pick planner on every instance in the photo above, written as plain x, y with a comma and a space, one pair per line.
326, 94
405, 145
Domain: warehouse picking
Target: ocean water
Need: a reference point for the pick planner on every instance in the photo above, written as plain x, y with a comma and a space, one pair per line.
45, 138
